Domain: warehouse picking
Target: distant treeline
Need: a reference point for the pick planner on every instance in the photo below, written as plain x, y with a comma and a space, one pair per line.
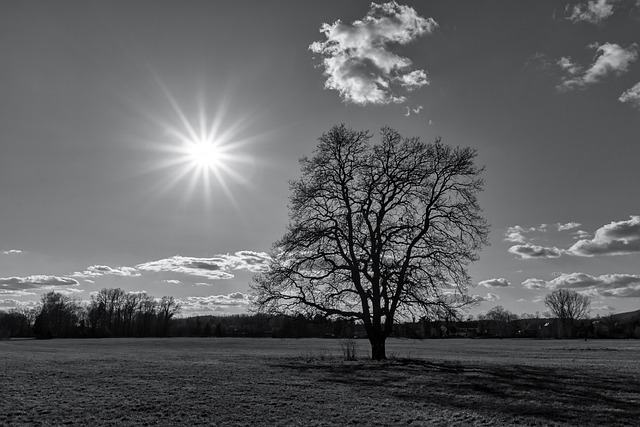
116, 313
110, 313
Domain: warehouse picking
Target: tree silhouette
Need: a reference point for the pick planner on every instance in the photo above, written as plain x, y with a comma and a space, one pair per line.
568, 306
376, 232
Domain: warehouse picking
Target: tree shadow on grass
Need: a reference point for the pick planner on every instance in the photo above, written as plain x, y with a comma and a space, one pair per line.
576, 395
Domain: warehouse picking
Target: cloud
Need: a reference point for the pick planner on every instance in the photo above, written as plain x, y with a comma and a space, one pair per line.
593, 12
567, 226
529, 251
12, 304
12, 252
213, 303
615, 238
606, 285
495, 283
491, 297
516, 234
632, 96
414, 110
218, 267
603, 308
534, 284
581, 234
20, 286
104, 270
612, 59
358, 59
172, 281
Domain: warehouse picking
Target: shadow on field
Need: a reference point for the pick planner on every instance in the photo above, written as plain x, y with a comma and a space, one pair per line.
575, 396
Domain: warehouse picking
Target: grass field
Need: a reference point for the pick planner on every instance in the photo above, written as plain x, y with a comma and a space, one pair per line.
230, 381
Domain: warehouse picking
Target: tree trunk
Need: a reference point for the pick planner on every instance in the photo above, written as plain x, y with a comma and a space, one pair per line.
378, 347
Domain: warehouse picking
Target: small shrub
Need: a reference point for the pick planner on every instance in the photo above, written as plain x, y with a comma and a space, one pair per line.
348, 348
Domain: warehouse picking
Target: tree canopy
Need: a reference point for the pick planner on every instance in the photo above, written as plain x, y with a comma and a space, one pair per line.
377, 232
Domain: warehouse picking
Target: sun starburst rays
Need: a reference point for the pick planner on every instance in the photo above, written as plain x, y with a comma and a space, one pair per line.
205, 152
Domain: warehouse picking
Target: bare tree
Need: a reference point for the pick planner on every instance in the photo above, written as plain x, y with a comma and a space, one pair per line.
377, 232
499, 320
167, 308
568, 306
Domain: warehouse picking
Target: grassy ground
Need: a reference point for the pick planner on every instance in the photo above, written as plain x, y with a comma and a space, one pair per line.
220, 381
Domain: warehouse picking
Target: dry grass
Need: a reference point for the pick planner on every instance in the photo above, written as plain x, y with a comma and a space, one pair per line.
307, 382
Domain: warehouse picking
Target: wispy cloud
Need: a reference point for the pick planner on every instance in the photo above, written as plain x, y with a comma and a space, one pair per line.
20, 286
214, 303
529, 251
489, 297
606, 285
611, 59
495, 283
105, 270
632, 96
615, 238
581, 234
592, 11
358, 58
567, 226
217, 267
10, 304
12, 252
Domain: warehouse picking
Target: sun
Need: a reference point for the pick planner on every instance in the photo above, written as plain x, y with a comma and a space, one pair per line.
204, 154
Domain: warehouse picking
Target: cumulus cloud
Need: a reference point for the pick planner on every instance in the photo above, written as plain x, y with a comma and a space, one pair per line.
606, 285
105, 270
529, 251
615, 238
567, 226
20, 286
611, 59
534, 284
593, 11
517, 234
358, 60
12, 252
235, 301
631, 96
217, 267
495, 283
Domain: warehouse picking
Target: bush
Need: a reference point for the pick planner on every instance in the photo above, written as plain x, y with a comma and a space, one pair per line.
348, 347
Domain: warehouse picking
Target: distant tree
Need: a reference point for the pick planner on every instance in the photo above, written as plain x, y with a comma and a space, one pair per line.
568, 306
167, 308
377, 233
58, 316
499, 319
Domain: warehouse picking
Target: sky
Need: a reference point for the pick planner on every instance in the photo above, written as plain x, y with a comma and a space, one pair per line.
148, 145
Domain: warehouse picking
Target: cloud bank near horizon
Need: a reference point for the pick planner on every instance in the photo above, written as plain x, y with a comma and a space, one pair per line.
358, 58
218, 267
27, 285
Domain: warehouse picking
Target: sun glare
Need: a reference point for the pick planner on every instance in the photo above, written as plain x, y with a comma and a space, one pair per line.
204, 154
